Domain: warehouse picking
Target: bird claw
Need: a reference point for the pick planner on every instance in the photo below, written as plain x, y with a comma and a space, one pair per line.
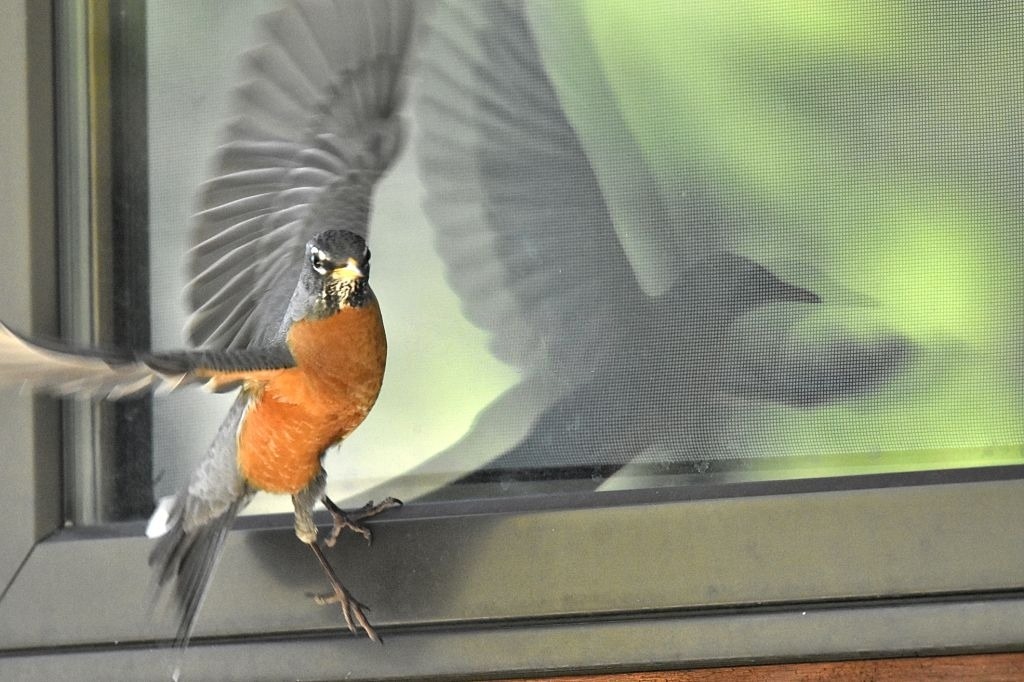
351, 609
353, 520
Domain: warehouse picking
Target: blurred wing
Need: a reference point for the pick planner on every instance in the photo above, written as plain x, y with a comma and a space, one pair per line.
521, 219
62, 369
314, 126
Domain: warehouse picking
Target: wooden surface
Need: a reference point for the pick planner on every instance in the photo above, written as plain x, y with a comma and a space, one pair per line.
988, 667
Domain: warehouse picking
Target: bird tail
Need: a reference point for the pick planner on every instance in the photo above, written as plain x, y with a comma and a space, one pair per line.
188, 558
193, 525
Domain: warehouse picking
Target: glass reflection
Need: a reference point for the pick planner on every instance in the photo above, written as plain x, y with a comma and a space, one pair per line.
667, 242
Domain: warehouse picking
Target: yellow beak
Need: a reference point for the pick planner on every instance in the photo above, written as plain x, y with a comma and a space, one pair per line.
348, 272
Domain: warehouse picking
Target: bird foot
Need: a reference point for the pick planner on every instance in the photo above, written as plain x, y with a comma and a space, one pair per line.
353, 520
351, 609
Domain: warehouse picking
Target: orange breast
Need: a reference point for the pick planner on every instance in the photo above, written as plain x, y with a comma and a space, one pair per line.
298, 413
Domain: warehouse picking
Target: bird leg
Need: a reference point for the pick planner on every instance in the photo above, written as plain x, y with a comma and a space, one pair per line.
353, 520
351, 609
306, 530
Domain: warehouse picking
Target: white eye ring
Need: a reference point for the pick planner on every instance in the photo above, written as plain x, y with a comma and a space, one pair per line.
316, 259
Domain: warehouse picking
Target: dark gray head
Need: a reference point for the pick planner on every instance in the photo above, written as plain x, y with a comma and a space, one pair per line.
732, 285
749, 284
336, 273
759, 285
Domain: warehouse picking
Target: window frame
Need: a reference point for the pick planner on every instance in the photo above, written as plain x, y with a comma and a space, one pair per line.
625, 585
29, 489
848, 567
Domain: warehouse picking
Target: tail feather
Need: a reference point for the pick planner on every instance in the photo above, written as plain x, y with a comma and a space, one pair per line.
198, 521
189, 558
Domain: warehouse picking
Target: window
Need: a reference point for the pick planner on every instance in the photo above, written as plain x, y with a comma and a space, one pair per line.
805, 122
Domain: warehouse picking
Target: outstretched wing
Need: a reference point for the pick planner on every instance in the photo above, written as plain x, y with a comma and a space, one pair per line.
62, 369
556, 238
314, 125
526, 232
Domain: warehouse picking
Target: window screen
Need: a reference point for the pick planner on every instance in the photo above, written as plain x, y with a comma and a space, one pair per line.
633, 245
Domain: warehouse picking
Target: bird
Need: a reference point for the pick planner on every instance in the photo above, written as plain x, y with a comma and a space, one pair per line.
626, 309
282, 307
298, 395
671, 382
314, 124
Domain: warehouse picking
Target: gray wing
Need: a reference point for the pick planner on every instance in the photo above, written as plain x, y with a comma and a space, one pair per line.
314, 125
550, 227
549, 233
62, 369
521, 218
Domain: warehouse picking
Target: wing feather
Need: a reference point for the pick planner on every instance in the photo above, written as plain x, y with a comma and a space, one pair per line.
315, 123
526, 232
64, 370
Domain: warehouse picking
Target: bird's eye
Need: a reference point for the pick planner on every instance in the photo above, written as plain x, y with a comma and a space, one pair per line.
317, 260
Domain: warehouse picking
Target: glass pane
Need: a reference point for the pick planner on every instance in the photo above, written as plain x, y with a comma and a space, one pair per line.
439, 372
649, 244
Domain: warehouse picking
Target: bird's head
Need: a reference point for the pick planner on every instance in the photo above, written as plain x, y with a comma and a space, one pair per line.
725, 285
764, 286
336, 271
751, 284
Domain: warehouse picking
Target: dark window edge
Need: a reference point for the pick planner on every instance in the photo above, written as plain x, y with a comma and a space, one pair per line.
600, 645
799, 550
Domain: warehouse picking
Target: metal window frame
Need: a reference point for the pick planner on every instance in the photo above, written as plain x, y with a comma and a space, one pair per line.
30, 485
891, 565
101, 195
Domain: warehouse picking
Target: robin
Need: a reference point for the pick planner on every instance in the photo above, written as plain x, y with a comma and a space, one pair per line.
612, 290
298, 396
314, 125
283, 309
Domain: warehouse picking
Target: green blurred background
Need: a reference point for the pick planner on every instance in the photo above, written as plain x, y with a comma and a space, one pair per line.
866, 150
877, 141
